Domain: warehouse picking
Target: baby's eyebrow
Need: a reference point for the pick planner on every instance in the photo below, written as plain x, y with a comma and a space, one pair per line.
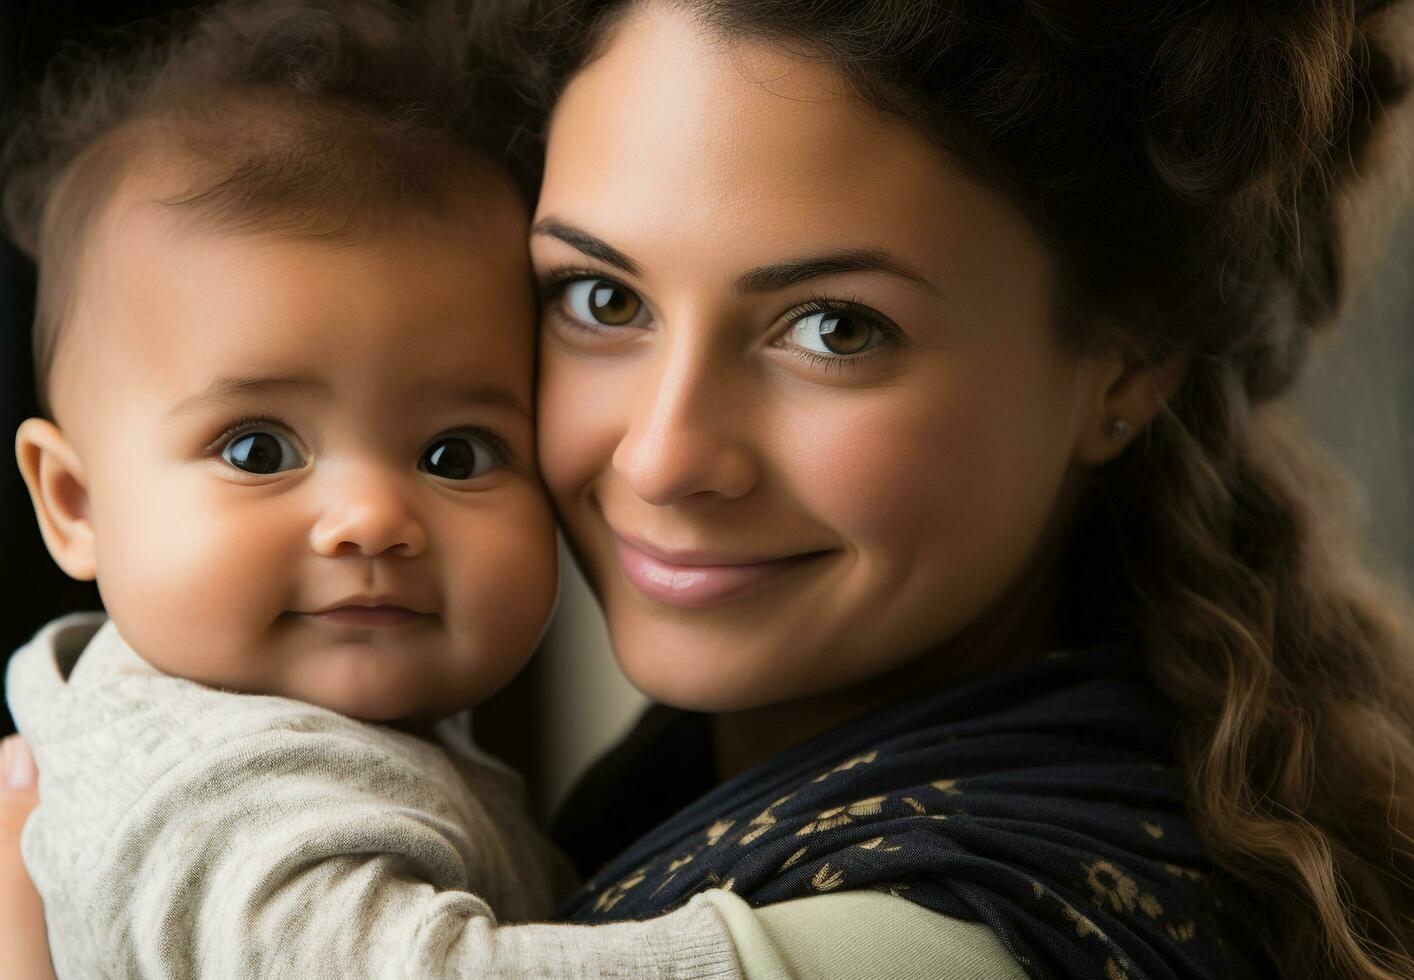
476, 394
234, 386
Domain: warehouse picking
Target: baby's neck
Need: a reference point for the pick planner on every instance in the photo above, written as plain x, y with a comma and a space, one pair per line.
422, 727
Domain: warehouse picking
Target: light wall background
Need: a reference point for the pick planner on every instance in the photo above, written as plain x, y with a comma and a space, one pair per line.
1357, 397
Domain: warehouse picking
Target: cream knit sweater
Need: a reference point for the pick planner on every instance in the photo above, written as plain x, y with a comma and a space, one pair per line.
191, 832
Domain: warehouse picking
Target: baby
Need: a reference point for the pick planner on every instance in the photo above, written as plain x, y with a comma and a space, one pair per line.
285, 339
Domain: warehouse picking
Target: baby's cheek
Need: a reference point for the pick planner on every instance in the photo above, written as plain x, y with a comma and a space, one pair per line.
501, 571
192, 584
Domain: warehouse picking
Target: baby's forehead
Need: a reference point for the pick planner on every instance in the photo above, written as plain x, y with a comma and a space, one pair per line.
417, 303
267, 165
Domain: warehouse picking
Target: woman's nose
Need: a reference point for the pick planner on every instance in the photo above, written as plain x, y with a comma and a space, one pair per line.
687, 433
369, 518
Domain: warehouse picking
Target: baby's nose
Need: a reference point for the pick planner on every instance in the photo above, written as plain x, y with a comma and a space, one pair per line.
375, 521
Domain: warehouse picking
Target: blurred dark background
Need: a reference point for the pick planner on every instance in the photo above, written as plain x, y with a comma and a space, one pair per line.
32, 589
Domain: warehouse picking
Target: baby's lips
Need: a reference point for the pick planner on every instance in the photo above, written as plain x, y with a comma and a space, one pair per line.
372, 601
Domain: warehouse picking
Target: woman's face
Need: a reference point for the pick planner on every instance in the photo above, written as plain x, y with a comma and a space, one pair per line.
803, 409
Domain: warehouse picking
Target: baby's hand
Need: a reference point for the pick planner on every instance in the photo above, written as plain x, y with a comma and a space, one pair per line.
24, 944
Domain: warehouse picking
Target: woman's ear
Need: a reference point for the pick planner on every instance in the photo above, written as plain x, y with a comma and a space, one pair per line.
59, 491
1125, 399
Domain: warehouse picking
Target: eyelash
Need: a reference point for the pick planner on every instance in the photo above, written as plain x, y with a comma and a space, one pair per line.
556, 279
554, 283
251, 423
256, 423
821, 303
498, 445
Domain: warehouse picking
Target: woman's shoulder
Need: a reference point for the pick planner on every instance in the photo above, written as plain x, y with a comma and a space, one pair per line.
1040, 801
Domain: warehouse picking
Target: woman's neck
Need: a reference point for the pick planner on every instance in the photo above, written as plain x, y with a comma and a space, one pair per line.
1021, 627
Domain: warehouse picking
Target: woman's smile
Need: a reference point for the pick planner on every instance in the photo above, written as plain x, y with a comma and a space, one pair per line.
700, 578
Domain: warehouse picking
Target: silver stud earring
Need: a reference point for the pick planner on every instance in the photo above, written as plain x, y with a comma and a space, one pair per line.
1119, 429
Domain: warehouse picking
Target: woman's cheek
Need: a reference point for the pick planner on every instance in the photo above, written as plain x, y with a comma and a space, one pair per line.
580, 401
930, 497
884, 470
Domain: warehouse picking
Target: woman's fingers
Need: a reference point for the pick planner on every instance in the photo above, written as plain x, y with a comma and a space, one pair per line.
24, 944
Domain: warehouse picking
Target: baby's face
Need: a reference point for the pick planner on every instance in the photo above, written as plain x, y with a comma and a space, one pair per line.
310, 467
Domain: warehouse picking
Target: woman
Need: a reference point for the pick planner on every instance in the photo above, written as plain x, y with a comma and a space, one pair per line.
903, 395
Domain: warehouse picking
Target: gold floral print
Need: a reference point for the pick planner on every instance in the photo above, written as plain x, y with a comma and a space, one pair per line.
1152, 829
713, 880
1083, 926
858, 760
790, 861
838, 816
612, 895
1182, 932
1113, 971
762, 822
1178, 871
915, 805
1110, 885
718, 828
824, 881
873, 843
947, 786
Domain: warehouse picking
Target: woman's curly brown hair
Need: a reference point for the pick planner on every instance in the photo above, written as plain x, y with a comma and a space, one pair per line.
1186, 163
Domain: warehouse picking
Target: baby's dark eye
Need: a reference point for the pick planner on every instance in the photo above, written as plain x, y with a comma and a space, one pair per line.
261, 453
458, 457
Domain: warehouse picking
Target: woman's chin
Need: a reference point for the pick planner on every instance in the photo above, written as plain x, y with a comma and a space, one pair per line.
695, 670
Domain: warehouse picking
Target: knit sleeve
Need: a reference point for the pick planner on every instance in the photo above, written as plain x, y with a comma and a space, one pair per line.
189, 833
860, 934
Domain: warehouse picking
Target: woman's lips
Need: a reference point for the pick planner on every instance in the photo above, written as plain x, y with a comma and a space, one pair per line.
705, 582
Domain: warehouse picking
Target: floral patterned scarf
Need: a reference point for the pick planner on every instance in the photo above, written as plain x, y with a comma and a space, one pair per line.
1041, 800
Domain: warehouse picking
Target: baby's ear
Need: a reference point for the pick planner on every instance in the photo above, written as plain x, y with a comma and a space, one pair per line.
59, 491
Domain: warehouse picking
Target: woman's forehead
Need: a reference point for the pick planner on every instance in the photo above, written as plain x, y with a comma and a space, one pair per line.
674, 139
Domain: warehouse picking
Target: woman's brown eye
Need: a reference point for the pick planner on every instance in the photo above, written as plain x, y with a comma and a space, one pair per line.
844, 335
601, 301
832, 332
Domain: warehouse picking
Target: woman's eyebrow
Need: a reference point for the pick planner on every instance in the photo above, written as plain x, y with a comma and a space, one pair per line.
595, 248
779, 275
762, 279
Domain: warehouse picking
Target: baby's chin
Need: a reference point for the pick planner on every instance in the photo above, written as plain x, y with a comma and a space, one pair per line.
372, 685
413, 676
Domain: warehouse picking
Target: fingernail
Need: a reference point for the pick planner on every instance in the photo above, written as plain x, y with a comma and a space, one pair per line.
19, 768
